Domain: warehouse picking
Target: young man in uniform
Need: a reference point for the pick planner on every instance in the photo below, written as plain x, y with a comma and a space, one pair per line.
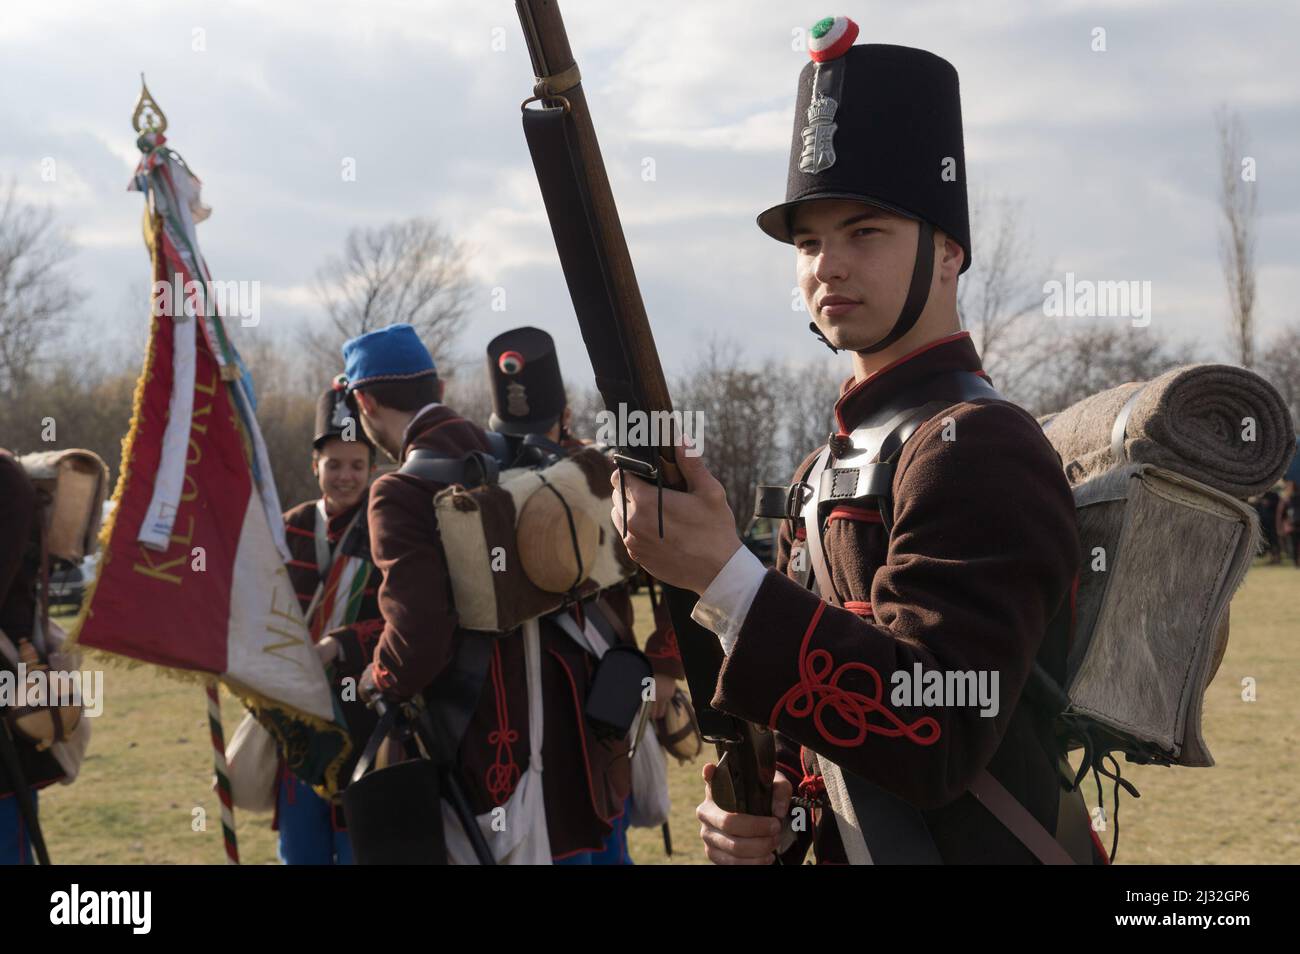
337, 585
420, 648
19, 568
587, 779
959, 575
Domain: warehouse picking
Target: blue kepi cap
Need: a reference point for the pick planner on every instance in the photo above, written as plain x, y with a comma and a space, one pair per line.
395, 353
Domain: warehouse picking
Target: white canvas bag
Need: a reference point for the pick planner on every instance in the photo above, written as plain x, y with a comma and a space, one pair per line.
516, 831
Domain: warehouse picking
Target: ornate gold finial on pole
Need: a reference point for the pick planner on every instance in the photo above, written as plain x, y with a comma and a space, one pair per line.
148, 115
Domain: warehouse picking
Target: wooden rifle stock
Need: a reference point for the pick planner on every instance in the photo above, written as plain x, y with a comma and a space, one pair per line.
602, 283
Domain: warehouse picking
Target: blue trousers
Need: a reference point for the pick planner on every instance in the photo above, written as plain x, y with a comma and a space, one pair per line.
15, 845
307, 835
613, 852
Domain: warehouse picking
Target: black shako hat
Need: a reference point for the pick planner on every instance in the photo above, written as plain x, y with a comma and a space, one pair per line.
334, 408
881, 124
527, 389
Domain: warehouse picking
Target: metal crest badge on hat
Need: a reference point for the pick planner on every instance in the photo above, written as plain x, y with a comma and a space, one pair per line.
819, 135
516, 399
340, 414
829, 39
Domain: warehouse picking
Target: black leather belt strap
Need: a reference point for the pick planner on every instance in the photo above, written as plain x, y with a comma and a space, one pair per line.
472, 470
884, 434
894, 830
537, 450
454, 695
773, 500
851, 483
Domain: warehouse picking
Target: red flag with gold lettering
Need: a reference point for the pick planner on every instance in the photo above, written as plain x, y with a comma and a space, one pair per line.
192, 574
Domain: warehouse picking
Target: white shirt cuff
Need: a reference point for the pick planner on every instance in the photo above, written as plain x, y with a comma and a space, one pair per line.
723, 607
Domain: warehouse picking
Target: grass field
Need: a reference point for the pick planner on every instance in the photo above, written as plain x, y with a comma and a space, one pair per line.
150, 766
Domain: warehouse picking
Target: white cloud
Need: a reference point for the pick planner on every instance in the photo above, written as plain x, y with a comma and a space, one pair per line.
1112, 154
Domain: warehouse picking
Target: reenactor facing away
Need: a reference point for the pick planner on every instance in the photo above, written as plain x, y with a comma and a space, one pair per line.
587, 780
337, 587
942, 541
474, 687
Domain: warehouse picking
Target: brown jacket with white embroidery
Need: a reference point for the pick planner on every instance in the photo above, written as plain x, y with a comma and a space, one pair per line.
984, 549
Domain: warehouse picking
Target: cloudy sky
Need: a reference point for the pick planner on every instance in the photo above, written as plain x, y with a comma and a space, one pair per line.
1111, 154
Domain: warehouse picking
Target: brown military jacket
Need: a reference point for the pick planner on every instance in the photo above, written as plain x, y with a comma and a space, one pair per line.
585, 780
984, 549
19, 561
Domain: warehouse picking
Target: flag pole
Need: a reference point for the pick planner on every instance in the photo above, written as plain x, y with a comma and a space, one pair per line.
149, 117
222, 769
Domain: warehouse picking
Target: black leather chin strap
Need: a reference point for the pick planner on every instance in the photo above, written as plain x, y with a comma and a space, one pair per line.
918, 293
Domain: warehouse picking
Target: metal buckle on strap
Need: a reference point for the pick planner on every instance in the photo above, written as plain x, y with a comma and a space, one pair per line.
646, 470
779, 501
635, 464
795, 499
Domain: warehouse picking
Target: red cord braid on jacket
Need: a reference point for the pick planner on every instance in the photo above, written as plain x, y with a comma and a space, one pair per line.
814, 691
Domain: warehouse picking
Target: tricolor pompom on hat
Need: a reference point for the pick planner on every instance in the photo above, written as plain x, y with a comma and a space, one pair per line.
831, 38
510, 362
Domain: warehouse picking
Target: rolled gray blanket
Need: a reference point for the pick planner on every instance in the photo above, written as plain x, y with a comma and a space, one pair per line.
1194, 420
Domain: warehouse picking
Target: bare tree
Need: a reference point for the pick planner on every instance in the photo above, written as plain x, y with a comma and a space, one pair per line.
585, 403
468, 391
83, 403
286, 413
1237, 202
807, 397
1279, 362
739, 410
1001, 289
1098, 355
401, 272
36, 297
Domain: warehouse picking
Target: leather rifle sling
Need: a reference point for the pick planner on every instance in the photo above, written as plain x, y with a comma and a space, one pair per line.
1017, 819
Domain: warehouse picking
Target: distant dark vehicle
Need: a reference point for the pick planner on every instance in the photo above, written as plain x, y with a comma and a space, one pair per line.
69, 581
